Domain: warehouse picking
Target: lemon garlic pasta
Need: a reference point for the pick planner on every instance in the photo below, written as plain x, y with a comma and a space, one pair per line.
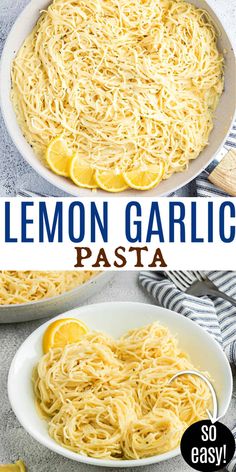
113, 399
17, 287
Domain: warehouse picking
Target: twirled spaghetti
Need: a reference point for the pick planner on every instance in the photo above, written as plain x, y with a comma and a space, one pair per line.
127, 84
17, 287
113, 400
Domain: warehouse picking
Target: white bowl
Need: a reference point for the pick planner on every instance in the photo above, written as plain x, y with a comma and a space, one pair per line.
116, 318
223, 118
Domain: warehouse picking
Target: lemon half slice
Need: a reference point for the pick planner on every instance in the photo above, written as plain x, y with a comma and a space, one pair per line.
58, 157
82, 174
110, 181
62, 332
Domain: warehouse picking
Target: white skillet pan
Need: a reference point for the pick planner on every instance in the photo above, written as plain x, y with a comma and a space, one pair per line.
223, 119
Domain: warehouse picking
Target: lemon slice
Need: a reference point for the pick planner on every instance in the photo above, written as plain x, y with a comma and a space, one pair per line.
110, 181
19, 466
62, 332
58, 157
144, 179
82, 174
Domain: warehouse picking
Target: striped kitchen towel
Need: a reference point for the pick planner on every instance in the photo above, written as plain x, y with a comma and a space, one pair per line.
217, 317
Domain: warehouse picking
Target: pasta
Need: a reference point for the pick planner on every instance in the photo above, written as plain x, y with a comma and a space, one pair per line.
23, 287
112, 399
128, 85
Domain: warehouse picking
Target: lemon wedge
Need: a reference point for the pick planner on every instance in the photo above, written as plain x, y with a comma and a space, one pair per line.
62, 332
82, 174
110, 181
58, 157
144, 179
19, 466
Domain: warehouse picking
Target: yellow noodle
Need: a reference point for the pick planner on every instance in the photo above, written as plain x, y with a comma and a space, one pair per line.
17, 287
127, 84
112, 399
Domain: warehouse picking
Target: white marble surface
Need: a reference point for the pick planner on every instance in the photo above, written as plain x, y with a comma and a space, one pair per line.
16, 442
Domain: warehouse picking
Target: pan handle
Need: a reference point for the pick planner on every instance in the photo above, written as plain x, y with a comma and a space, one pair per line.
224, 175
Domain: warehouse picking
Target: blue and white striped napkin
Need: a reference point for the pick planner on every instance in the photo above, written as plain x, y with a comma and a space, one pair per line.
217, 317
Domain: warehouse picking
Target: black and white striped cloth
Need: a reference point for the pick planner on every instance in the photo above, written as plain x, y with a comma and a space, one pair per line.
217, 317
231, 140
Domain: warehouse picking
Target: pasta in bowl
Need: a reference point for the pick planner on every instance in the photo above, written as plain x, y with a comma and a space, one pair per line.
31, 295
117, 393
136, 117
132, 89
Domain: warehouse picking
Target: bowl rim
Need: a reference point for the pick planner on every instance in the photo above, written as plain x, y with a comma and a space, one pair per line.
105, 462
61, 183
91, 280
